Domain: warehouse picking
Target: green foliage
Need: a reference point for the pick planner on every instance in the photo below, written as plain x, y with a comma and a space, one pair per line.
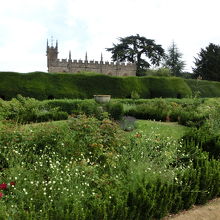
88, 107
45, 86
173, 61
208, 63
156, 109
161, 129
26, 110
53, 115
87, 169
207, 135
204, 88
58, 171
188, 112
205, 179
133, 48
193, 114
172, 87
163, 71
115, 110
76, 106
135, 95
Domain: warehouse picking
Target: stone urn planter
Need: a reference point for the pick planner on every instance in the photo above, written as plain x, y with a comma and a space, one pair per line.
102, 98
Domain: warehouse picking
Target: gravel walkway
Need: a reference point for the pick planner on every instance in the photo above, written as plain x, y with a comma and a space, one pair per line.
210, 211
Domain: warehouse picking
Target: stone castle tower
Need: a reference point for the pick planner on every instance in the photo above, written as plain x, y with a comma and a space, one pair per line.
76, 66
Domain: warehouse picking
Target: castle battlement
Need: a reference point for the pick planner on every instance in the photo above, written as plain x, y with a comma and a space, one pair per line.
75, 66
92, 62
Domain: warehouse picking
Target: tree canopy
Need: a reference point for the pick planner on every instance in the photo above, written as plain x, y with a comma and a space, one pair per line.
136, 49
207, 65
173, 60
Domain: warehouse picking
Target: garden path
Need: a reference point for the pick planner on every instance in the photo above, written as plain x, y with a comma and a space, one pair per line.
209, 211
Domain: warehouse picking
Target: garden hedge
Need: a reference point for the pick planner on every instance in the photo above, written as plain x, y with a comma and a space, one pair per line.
43, 86
204, 88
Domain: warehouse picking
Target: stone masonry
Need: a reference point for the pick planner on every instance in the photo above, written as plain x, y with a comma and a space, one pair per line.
75, 66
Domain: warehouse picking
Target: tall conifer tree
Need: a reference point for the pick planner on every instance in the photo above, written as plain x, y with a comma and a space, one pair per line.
173, 60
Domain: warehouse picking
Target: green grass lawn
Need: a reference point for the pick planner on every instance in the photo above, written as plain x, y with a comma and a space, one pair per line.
161, 129
147, 127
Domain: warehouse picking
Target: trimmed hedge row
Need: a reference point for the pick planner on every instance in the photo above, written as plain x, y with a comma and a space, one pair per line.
26, 110
88, 107
43, 86
204, 88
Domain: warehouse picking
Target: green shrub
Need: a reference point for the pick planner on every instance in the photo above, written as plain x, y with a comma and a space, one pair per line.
204, 88
20, 109
44, 86
135, 95
66, 105
115, 110
26, 110
191, 118
209, 142
207, 134
156, 109
158, 72
88, 107
188, 112
3, 163
51, 116
86, 168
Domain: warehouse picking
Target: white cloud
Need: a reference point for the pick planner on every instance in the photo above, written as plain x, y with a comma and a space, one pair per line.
84, 25
21, 45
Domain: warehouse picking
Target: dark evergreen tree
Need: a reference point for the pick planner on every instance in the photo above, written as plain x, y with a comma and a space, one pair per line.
207, 65
136, 49
173, 60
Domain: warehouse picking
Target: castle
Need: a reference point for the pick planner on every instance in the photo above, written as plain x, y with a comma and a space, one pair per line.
76, 66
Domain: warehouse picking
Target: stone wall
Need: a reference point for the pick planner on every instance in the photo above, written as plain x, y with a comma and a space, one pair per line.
76, 66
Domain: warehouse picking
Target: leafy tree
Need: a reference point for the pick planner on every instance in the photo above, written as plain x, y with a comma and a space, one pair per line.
136, 49
173, 60
208, 63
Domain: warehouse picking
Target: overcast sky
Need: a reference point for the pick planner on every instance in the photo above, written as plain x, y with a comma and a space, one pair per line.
93, 25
